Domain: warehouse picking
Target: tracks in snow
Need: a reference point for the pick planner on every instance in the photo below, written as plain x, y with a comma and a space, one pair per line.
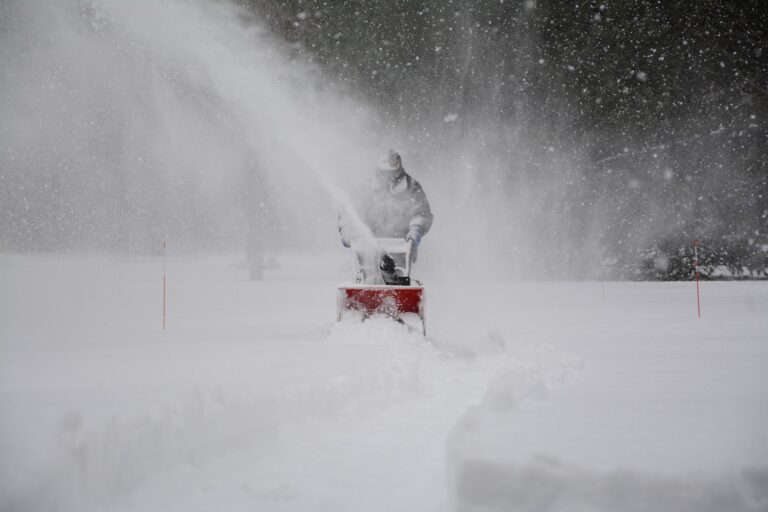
375, 435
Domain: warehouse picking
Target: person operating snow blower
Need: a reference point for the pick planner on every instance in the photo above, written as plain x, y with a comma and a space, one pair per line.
397, 206
398, 215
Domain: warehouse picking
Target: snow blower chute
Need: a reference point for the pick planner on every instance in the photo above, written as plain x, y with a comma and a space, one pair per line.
383, 283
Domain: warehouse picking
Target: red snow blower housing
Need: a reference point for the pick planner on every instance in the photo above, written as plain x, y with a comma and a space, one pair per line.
383, 283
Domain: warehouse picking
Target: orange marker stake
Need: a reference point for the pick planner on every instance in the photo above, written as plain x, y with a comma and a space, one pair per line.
696, 270
164, 292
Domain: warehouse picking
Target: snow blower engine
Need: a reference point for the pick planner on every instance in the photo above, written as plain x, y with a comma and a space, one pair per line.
383, 283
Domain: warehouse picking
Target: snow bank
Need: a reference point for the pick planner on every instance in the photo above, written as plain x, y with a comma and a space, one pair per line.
659, 418
547, 483
482, 478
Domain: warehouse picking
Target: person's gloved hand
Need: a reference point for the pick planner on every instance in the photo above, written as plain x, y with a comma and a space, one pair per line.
415, 236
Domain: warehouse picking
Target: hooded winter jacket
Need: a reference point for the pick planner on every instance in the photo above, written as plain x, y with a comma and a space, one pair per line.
398, 208
395, 208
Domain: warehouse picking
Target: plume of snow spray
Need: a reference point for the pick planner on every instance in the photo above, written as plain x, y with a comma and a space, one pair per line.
130, 120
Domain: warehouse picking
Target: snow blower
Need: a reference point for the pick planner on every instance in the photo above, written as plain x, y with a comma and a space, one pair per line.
383, 283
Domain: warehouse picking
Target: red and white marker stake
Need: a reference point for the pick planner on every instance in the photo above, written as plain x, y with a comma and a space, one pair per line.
696, 270
164, 294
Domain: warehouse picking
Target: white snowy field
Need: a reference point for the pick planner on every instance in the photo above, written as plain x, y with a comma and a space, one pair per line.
524, 396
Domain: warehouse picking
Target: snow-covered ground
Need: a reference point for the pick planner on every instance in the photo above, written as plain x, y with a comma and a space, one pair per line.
524, 396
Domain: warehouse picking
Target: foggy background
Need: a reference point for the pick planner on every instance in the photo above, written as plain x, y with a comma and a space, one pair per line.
554, 139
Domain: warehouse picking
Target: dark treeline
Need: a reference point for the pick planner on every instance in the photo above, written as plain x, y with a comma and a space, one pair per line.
642, 122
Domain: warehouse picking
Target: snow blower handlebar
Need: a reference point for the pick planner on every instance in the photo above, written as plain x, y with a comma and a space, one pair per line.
382, 261
397, 246
362, 251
